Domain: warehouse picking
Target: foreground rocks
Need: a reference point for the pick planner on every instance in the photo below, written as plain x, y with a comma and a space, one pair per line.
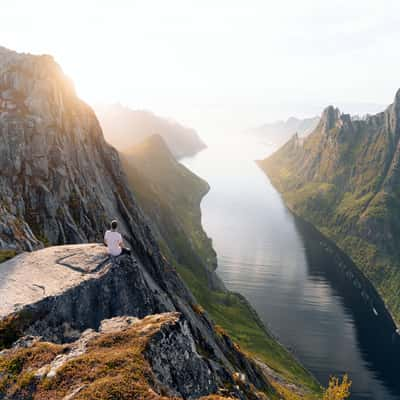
156, 354
71, 298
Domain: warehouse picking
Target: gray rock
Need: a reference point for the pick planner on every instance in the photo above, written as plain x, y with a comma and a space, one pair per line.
64, 180
60, 292
177, 365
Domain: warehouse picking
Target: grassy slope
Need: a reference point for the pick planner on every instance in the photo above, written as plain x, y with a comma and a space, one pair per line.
170, 195
337, 186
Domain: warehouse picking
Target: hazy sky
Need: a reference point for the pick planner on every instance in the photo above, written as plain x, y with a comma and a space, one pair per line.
217, 65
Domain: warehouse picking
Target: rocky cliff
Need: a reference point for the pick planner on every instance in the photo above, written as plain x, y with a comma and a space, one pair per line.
60, 181
125, 128
58, 293
344, 178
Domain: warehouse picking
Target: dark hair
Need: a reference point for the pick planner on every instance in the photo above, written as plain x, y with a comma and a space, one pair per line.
114, 225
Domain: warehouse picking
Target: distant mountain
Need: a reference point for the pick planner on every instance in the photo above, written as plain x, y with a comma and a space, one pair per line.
124, 128
345, 179
280, 132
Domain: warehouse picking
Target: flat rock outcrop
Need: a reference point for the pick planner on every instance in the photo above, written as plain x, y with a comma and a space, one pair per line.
31, 277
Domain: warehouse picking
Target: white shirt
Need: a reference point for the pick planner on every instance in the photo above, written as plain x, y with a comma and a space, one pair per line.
113, 240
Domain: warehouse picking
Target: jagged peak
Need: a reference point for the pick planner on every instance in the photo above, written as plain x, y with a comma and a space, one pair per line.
9, 57
397, 97
156, 140
396, 104
152, 146
393, 113
330, 118
4, 50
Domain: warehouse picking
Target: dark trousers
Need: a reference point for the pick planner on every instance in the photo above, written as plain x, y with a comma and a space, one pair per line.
125, 250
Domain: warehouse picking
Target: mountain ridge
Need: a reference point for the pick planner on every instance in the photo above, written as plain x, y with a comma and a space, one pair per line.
344, 179
280, 131
125, 128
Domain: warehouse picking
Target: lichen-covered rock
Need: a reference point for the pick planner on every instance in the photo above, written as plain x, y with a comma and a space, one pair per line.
177, 365
156, 354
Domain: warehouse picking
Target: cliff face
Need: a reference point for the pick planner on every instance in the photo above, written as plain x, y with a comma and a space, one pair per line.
60, 181
125, 128
344, 178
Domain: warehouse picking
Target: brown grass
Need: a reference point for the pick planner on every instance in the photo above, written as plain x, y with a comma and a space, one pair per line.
112, 368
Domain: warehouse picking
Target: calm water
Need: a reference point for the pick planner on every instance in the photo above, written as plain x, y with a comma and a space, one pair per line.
284, 269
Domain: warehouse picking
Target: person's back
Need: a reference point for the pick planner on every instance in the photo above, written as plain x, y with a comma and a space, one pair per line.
113, 240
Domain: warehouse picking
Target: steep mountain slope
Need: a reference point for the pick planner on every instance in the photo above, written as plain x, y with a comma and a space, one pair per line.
344, 178
124, 128
170, 195
61, 183
280, 132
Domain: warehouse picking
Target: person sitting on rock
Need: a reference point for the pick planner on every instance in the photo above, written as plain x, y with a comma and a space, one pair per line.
114, 242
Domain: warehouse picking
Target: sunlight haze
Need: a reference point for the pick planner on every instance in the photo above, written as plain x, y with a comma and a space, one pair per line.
218, 66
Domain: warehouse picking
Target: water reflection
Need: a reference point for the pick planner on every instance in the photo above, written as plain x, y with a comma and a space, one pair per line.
289, 274
377, 342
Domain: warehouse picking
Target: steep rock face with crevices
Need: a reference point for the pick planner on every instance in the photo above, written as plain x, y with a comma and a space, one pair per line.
344, 178
60, 181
